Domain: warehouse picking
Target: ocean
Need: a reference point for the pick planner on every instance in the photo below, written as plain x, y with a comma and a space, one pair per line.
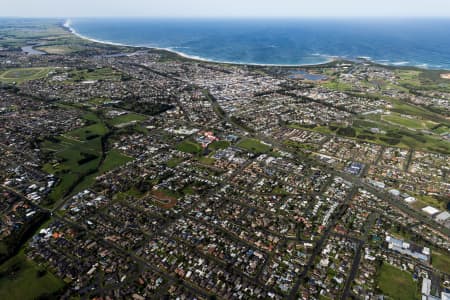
401, 42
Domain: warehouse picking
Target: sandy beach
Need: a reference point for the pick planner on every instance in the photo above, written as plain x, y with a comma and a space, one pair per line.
68, 25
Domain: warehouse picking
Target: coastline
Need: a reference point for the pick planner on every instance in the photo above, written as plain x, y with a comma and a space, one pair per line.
67, 26
328, 58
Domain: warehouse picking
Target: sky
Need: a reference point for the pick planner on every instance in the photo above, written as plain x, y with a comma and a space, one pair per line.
225, 8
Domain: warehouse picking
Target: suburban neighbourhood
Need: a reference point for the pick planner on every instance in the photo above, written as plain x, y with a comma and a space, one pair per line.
133, 173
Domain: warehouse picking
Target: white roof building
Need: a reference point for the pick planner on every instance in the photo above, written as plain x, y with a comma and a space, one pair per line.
445, 296
410, 199
430, 210
426, 287
442, 217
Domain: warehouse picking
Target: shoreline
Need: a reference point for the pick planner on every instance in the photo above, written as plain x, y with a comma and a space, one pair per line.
330, 59
72, 30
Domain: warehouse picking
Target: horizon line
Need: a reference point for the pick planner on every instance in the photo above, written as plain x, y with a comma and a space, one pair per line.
227, 17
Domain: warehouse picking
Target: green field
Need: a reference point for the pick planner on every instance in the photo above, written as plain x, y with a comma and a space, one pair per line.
99, 101
403, 127
23, 74
320, 129
336, 85
46, 35
19, 32
442, 129
59, 49
69, 154
70, 171
21, 279
78, 156
173, 162
254, 146
189, 147
409, 121
409, 109
397, 284
206, 160
112, 160
78, 153
410, 77
88, 132
94, 74
403, 131
440, 261
394, 135
216, 145
426, 200
128, 118
423, 80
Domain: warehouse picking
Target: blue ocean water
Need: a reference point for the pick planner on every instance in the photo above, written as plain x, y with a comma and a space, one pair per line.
414, 42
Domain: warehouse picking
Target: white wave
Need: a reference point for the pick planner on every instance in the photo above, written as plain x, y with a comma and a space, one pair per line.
325, 55
68, 25
400, 63
424, 66
327, 58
